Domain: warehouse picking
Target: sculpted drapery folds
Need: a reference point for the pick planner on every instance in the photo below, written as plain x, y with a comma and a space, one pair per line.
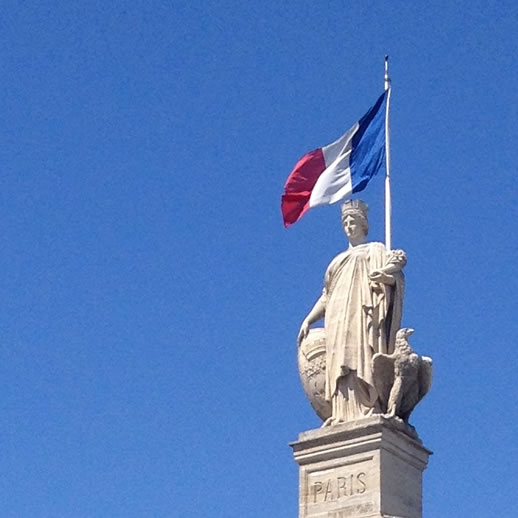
361, 304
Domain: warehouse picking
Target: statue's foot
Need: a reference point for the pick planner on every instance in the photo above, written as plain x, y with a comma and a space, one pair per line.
392, 415
331, 421
328, 422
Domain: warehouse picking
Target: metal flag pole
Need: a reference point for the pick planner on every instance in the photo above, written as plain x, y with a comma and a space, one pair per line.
388, 201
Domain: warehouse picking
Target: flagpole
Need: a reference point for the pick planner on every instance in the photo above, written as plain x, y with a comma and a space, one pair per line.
388, 201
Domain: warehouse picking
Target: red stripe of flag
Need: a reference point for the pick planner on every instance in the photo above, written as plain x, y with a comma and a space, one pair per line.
300, 183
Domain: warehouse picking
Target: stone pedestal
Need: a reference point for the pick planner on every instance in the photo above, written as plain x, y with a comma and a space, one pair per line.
371, 468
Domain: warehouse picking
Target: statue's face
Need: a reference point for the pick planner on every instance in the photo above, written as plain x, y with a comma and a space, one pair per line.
353, 227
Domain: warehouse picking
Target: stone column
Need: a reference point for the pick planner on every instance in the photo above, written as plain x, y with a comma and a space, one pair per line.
370, 468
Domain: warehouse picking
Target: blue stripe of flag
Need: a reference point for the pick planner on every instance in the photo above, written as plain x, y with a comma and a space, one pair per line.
368, 145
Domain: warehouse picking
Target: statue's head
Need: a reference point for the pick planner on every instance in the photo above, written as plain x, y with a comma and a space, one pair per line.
354, 218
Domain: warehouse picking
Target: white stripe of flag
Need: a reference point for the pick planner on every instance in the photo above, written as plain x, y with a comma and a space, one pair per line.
334, 172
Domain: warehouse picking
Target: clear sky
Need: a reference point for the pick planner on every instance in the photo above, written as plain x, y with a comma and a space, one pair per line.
150, 296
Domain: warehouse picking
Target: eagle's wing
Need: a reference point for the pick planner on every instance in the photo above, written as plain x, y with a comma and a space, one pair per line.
383, 374
425, 376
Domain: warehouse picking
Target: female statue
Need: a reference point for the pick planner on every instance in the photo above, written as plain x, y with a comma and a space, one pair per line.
361, 304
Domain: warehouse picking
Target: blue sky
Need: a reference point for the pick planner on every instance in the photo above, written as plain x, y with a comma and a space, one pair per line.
151, 297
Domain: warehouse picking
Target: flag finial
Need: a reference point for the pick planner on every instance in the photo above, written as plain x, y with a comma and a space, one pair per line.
387, 78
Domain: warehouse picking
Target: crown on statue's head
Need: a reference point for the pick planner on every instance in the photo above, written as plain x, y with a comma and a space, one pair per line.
355, 207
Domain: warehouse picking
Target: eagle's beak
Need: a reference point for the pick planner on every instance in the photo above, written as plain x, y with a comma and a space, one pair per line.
410, 331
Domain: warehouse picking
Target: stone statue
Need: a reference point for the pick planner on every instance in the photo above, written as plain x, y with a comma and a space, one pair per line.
361, 304
402, 378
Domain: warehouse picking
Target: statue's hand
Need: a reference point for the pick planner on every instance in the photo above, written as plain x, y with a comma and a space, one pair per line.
304, 330
379, 276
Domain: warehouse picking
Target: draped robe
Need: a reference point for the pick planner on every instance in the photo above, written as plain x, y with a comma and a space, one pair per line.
361, 318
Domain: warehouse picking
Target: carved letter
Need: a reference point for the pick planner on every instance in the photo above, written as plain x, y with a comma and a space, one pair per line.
363, 486
317, 488
342, 484
329, 490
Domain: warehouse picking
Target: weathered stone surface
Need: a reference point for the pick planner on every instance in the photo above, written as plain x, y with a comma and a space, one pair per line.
312, 370
361, 304
402, 378
360, 363
369, 468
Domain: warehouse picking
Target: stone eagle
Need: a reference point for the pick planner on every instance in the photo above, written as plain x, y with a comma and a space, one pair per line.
402, 378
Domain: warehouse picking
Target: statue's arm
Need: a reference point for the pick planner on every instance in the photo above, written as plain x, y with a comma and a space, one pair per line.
380, 276
396, 261
316, 313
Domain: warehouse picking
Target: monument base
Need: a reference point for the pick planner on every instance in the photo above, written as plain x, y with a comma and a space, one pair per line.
370, 468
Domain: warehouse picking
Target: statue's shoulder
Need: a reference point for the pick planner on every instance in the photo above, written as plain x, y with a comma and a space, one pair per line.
376, 244
376, 248
337, 259
336, 262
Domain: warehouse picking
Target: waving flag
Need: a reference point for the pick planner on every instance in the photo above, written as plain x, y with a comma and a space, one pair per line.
333, 172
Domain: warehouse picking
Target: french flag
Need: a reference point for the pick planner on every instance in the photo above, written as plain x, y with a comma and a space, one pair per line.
333, 172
